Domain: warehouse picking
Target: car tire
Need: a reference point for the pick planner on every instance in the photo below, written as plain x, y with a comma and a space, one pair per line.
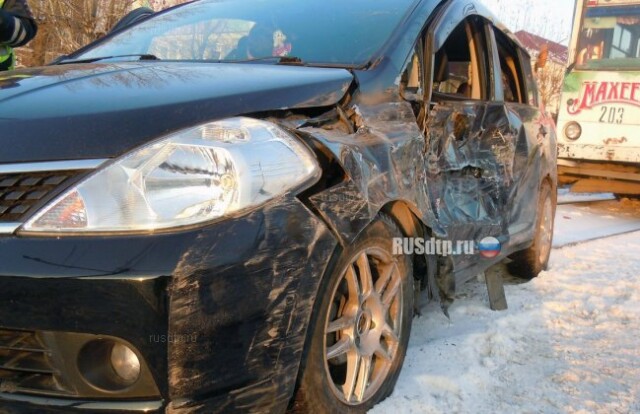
530, 262
354, 336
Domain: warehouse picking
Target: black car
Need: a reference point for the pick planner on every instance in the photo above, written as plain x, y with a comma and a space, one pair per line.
199, 212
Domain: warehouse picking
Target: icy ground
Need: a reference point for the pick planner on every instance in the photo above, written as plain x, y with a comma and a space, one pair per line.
569, 342
587, 221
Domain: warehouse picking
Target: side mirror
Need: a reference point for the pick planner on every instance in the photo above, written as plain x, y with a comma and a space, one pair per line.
134, 16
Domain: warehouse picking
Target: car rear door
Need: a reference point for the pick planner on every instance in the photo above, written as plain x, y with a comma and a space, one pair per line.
530, 129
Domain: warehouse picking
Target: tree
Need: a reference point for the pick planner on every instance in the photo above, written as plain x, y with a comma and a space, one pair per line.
67, 25
550, 80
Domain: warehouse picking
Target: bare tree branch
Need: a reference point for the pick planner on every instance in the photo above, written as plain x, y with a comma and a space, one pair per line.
67, 25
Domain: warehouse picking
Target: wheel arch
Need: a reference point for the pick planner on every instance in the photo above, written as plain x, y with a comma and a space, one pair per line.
397, 214
554, 188
411, 225
406, 218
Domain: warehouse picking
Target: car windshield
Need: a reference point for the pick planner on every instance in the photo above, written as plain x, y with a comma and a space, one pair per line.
324, 32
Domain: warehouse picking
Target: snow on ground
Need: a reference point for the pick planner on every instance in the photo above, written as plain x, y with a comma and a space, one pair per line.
565, 196
569, 342
580, 222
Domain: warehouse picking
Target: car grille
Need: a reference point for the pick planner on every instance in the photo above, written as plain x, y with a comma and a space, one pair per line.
19, 193
26, 365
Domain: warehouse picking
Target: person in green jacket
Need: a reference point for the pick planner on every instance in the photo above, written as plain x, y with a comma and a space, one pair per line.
17, 28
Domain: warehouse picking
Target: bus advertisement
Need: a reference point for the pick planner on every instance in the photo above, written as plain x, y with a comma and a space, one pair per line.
599, 118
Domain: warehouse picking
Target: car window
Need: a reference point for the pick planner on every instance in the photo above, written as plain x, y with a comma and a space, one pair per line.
511, 69
209, 39
461, 65
412, 79
531, 86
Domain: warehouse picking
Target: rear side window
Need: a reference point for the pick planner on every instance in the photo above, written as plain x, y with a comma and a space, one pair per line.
513, 79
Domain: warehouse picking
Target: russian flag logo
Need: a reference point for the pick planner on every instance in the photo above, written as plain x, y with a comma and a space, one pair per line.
489, 247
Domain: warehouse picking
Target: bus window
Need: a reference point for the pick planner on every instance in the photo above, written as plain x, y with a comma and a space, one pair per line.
610, 38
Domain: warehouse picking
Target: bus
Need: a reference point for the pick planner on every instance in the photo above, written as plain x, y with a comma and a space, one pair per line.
599, 117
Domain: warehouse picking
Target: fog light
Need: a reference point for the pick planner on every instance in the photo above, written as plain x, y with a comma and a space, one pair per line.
573, 131
125, 363
109, 365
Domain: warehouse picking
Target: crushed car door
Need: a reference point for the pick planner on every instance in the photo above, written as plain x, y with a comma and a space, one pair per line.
469, 144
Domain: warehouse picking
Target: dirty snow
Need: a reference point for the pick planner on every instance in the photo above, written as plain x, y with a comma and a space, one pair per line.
569, 342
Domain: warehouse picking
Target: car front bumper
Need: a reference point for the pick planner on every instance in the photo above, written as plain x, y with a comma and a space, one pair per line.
218, 314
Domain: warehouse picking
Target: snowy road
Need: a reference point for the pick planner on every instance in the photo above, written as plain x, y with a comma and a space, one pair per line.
569, 342
581, 222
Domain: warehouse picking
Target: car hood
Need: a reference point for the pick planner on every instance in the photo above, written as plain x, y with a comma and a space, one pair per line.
85, 111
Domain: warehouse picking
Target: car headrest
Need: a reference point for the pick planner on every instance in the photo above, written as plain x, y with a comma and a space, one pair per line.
440, 66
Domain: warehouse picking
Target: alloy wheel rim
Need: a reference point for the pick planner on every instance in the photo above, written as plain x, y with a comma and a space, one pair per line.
546, 231
363, 326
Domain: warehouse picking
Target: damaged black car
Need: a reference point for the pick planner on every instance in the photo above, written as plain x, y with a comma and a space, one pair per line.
198, 211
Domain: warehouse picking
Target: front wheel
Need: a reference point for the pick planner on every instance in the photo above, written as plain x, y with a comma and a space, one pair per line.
530, 262
360, 327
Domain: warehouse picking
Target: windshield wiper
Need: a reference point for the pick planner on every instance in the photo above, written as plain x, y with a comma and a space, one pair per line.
96, 59
279, 60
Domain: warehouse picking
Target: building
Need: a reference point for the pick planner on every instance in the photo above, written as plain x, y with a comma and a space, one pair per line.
558, 53
550, 77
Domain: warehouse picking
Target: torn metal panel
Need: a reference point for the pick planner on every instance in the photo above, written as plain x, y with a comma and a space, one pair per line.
464, 182
474, 174
383, 161
388, 159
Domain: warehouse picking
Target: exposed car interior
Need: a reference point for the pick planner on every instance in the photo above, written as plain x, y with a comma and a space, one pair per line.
458, 69
461, 68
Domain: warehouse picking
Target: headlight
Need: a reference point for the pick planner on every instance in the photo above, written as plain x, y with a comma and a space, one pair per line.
190, 177
573, 131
